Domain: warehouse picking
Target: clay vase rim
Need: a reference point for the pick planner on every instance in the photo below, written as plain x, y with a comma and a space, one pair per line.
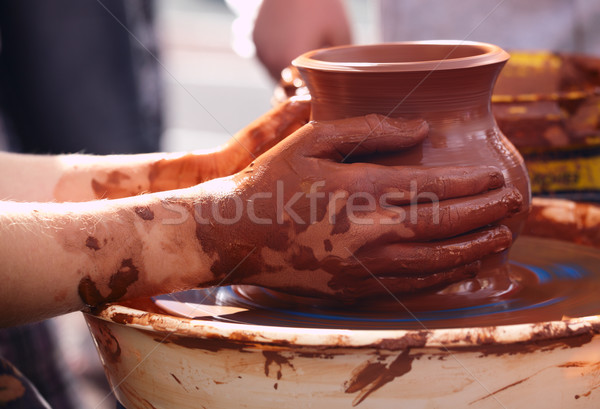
402, 56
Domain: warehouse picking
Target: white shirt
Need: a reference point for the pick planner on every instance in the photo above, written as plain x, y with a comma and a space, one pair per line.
556, 25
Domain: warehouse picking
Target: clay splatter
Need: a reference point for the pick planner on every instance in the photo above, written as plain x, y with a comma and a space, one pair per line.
120, 281
373, 375
92, 243
278, 359
176, 379
11, 389
111, 188
107, 343
144, 213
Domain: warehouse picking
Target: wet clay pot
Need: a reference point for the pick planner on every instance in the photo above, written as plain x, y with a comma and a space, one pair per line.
449, 84
157, 360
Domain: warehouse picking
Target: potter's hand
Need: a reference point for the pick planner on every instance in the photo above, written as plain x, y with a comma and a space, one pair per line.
247, 144
265, 132
76, 178
302, 220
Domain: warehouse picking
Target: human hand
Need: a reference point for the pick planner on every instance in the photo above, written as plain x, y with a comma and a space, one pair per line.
301, 220
247, 144
285, 29
122, 176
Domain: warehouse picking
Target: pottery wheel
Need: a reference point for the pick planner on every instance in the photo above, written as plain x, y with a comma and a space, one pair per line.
551, 280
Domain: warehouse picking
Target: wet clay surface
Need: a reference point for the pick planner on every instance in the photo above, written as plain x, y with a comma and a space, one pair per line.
438, 243
449, 86
542, 99
548, 281
565, 220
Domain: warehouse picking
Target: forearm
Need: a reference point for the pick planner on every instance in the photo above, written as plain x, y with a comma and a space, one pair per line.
117, 176
78, 178
57, 258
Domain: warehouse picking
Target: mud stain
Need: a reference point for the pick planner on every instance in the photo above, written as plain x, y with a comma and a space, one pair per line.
111, 187
144, 213
11, 389
489, 395
588, 393
371, 376
120, 281
272, 357
536, 344
92, 243
107, 343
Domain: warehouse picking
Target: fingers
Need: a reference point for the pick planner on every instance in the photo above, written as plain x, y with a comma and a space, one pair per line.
439, 219
402, 268
343, 139
449, 182
452, 217
394, 285
402, 185
377, 286
412, 260
290, 116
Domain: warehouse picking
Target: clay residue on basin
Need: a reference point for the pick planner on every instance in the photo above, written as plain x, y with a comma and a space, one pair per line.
565, 220
371, 376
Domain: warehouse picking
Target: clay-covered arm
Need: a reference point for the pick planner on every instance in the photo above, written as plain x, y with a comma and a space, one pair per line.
59, 257
77, 178
306, 220
299, 218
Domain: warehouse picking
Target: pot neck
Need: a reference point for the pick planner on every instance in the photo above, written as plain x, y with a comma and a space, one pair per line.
442, 97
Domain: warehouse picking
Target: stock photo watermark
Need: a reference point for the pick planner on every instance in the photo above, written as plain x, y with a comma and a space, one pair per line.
401, 207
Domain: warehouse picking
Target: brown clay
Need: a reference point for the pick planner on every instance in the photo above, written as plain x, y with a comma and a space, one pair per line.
447, 84
565, 220
126, 275
544, 99
327, 253
246, 145
193, 168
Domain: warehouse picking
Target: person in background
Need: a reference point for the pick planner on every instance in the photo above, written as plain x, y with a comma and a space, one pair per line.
285, 29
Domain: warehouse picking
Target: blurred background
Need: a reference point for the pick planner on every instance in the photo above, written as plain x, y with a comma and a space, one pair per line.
213, 86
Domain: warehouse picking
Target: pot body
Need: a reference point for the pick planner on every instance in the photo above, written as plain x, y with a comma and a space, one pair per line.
447, 84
